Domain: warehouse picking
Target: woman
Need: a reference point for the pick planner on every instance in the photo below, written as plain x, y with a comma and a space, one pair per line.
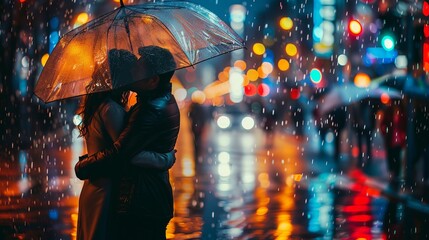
102, 122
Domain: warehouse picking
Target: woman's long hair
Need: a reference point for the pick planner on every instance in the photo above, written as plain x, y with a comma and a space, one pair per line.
93, 101
97, 95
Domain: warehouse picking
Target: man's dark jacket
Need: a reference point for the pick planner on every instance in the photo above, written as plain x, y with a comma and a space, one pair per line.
153, 125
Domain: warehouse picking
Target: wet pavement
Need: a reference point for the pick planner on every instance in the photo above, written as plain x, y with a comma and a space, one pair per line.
240, 188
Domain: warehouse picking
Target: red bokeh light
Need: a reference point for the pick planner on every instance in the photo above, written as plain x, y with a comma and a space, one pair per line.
426, 30
263, 89
250, 90
425, 8
294, 93
385, 98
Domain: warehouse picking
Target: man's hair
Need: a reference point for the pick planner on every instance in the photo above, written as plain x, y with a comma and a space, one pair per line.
159, 61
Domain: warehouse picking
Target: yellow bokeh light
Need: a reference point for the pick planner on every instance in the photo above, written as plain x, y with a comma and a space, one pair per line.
267, 67
297, 177
291, 49
252, 75
283, 64
286, 23
82, 18
240, 64
261, 211
258, 48
245, 81
44, 59
362, 80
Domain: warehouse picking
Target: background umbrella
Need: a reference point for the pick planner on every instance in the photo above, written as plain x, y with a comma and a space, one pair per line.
190, 32
347, 94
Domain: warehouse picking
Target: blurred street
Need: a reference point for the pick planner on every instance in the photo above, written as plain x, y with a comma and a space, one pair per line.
240, 188
299, 119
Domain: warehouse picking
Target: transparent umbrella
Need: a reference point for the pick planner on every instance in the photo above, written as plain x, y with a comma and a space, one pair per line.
79, 65
347, 94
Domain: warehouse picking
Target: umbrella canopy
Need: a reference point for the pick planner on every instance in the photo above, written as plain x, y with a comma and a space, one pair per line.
82, 60
347, 94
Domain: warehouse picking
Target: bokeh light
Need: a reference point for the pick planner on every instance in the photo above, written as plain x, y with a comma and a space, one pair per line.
258, 48
342, 60
315, 75
261, 73
252, 75
355, 27
198, 97
240, 64
286, 23
267, 68
263, 89
283, 65
250, 90
385, 99
388, 43
294, 93
291, 49
362, 80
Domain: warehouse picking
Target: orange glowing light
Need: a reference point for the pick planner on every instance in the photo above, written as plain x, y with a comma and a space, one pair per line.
355, 27
261, 211
362, 80
252, 75
261, 73
283, 65
297, 177
385, 99
245, 81
240, 64
82, 18
223, 76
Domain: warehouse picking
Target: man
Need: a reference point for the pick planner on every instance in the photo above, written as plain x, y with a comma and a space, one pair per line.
146, 199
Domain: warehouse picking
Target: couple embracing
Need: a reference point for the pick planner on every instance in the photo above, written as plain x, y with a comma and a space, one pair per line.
127, 193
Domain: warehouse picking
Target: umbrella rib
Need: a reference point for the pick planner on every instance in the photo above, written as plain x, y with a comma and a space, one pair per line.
168, 30
92, 26
108, 30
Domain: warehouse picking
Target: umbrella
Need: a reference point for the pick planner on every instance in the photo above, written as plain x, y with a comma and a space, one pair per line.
81, 62
346, 94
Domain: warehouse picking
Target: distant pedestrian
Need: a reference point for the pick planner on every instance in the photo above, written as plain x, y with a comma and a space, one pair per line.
198, 115
363, 120
336, 121
393, 127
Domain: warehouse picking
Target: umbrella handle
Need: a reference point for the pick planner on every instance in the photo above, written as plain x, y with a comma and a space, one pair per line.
122, 3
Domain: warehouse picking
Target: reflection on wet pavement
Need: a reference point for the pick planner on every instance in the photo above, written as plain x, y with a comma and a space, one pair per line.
240, 190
